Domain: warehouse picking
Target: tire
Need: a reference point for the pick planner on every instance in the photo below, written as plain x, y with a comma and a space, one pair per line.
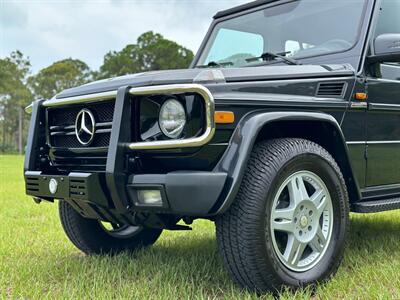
263, 224
91, 237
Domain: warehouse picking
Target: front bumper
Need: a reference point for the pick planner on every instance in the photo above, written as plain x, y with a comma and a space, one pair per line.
112, 195
183, 193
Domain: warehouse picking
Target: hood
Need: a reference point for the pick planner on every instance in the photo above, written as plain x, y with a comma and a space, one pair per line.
222, 75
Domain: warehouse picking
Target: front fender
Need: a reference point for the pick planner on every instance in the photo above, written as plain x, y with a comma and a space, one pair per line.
235, 158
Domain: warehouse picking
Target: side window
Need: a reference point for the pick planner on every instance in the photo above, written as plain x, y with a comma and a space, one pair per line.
388, 22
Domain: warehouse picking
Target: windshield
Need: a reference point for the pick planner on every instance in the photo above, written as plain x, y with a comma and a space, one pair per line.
297, 29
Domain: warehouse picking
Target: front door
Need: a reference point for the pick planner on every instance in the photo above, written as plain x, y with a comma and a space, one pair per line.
383, 118
383, 128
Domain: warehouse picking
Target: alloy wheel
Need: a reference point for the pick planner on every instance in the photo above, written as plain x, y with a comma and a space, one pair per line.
301, 221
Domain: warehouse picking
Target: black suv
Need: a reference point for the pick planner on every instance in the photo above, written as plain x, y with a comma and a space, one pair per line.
287, 120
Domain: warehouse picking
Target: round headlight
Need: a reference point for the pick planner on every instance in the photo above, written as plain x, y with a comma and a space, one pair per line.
172, 118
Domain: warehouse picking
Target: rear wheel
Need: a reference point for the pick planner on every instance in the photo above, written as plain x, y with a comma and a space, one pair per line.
288, 223
96, 237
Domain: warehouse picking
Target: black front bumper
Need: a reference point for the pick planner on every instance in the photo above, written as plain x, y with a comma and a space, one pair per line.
183, 193
112, 194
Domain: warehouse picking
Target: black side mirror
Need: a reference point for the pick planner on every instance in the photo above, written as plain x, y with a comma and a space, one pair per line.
387, 48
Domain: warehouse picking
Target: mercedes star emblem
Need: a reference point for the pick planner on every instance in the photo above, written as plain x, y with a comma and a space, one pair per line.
85, 127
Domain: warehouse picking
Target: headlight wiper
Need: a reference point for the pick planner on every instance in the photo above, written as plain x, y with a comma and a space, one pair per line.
269, 56
214, 64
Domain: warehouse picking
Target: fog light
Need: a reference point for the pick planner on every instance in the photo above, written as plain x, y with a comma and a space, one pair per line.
150, 197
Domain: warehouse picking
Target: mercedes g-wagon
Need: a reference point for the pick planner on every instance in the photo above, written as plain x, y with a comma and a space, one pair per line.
287, 120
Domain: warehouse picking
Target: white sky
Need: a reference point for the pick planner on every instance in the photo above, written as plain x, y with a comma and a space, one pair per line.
50, 30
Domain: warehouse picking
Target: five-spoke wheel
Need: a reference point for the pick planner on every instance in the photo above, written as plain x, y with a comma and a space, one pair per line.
301, 221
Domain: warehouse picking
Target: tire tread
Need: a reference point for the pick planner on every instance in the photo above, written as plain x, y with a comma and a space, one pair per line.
236, 228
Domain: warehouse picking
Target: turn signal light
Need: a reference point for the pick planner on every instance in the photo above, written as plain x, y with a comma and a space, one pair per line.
361, 96
224, 117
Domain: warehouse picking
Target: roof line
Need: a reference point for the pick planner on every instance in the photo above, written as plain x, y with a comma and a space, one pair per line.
241, 8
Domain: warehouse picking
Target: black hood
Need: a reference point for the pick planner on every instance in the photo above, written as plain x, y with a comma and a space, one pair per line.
194, 75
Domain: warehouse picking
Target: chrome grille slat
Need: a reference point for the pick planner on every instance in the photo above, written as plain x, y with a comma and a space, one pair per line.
62, 133
72, 127
107, 130
52, 128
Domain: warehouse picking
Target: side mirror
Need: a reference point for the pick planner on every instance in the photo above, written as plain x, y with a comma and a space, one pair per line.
387, 48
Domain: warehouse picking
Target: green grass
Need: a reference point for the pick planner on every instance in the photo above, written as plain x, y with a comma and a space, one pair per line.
37, 260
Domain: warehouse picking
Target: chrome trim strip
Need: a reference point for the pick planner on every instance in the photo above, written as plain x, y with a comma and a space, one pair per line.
359, 105
356, 143
384, 106
80, 99
292, 102
372, 142
179, 89
385, 80
382, 142
380, 187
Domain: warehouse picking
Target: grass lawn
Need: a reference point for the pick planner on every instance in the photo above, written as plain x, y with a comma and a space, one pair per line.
37, 261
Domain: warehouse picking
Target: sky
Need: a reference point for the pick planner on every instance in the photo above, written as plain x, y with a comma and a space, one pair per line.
51, 30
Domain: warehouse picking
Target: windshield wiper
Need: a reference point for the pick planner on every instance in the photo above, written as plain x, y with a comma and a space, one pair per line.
269, 56
214, 64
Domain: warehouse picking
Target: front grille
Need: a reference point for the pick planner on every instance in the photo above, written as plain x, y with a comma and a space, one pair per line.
67, 154
61, 122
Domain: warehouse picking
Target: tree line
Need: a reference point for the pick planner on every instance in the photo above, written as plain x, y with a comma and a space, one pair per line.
18, 87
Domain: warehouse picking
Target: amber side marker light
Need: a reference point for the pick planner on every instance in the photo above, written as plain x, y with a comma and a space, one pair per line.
361, 96
224, 117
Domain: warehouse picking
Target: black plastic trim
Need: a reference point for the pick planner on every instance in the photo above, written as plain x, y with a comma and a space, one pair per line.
234, 160
81, 187
33, 140
121, 134
380, 192
188, 193
376, 206
242, 7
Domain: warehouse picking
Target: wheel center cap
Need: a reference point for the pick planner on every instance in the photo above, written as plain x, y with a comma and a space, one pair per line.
303, 221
